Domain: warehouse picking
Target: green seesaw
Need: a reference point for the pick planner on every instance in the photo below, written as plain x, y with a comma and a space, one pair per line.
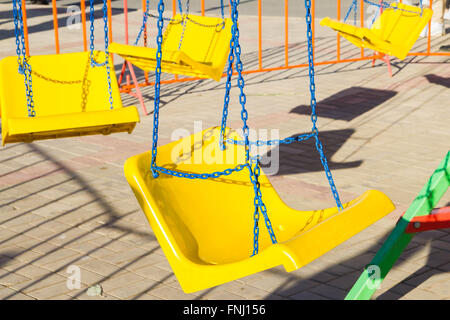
419, 217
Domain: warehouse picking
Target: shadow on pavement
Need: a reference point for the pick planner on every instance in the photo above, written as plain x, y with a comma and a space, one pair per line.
302, 157
435, 79
349, 103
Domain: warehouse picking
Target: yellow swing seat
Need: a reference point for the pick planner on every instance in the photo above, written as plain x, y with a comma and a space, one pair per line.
205, 227
70, 99
203, 53
393, 33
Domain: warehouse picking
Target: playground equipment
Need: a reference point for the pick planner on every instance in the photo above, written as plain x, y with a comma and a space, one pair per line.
203, 211
393, 33
66, 95
419, 217
192, 45
204, 226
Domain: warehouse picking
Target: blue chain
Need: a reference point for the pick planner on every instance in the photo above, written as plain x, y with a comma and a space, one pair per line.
383, 4
259, 204
22, 59
259, 143
312, 88
222, 12
159, 39
226, 100
144, 22
352, 7
203, 176
184, 22
254, 170
147, 14
91, 46
180, 7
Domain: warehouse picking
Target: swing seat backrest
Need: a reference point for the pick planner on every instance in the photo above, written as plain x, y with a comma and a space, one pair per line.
205, 45
205, 39
205, 226
68, 95
401, 24
62, 84
393, 33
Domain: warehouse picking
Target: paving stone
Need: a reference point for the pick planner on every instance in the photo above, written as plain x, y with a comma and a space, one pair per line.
135, 290
220, 295
100, 267
10, 294
345, 282
154, 273
50, 291
124, 279
419, 294
441, 288
248, 291
84, 296
31, 271
38, 283
61, 297
307, 296
169, 293
10, 279
55, 256
329, 292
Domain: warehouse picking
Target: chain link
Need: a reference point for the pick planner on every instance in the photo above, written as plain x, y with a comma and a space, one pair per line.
312, 89
184, 24
254, 168
383, 4
227, 95
203, 176
144, 22
184, 19
106, 40
56, 81
22, 59
159, 39
275, 142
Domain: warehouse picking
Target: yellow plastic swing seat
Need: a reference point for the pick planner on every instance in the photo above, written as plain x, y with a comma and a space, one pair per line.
205, 227
70, 99
393, 33
203, 53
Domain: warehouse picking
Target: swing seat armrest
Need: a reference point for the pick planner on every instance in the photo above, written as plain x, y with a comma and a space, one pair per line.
144, 53
345, 28
205, 68
68, 125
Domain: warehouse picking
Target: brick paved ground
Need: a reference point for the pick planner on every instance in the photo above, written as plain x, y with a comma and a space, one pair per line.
66, 202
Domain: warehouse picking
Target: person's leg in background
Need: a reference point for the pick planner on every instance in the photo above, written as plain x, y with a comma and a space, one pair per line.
437, 21
447, 10
446, 48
